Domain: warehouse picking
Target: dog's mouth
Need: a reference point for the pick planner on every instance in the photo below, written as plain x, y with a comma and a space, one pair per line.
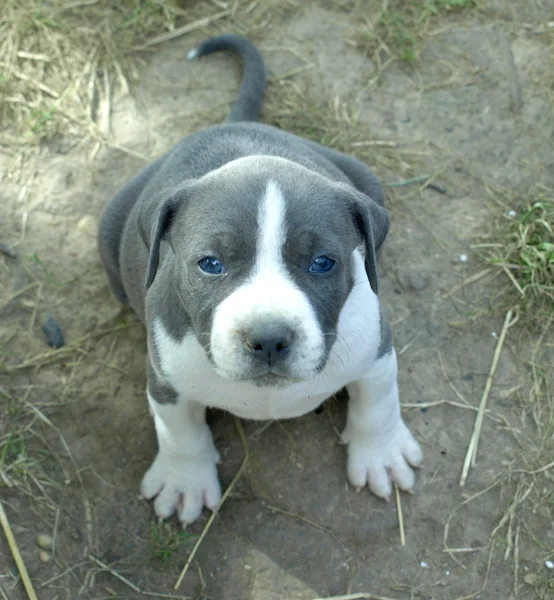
271, 379
259, 376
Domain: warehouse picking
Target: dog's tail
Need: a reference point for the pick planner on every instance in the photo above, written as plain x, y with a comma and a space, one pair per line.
251, 93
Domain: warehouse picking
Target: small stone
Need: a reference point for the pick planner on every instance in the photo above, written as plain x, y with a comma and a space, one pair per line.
7, 251
45, 541
462, 258
45, 556
53, 333
549, 564
87, 224
414, 280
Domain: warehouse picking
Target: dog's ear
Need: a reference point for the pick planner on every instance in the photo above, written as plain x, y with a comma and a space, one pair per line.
373, 222
154, 223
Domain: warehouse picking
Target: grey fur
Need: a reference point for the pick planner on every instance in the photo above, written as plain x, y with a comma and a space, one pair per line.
158, 388
181, 208
385, 346
251, 92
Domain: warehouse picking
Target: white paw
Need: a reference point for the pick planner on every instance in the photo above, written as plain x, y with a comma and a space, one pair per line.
184, 485
382, 460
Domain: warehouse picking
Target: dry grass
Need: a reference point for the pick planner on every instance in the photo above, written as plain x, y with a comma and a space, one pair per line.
61, 62
335, 123
398, 29
521, 251
522, 248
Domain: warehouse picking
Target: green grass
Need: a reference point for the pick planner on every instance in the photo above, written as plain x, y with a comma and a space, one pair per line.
165, 540
399, 29
524, 250
14, 459
40, 121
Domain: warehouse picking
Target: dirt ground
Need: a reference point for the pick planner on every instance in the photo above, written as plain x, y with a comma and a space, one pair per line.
75, 431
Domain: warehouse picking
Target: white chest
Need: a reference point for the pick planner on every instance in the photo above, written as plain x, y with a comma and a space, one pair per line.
188, 371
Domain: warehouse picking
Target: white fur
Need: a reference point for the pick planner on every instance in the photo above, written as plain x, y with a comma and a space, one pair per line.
268, 295
272, 232
380, 445
183, 476
187, 369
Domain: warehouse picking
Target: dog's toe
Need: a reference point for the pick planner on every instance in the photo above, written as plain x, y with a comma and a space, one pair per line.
182, 485
381, 462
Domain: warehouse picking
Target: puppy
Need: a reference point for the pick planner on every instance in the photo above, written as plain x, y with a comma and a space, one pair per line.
250, 255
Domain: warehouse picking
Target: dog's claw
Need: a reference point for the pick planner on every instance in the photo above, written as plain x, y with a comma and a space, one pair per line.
384, 463
184, 487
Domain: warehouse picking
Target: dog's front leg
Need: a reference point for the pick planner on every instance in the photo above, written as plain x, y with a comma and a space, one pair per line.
380, 446
183, 476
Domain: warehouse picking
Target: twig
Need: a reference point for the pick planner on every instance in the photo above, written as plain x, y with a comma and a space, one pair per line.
472, 448
312, 523
33, 56
462, 550
516, 561
545, 468
4, 597
205, 21
400, 516
360, 596
407, 346
130, 584
292, 72
216, 512
16, 554
467, 281
79, 3
374, 143
20, 292
449, 381
408, 181
33, 82
457, 508
128, 151
513, 280
53, 355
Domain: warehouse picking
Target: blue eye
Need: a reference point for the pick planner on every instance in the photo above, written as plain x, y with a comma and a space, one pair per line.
322, 264
211, 265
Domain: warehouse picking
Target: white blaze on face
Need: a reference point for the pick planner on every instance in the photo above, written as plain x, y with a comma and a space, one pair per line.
269, 295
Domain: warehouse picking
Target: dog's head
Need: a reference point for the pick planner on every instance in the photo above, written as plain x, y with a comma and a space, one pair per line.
264, 253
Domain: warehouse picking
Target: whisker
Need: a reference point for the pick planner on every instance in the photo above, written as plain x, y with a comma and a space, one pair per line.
339, 358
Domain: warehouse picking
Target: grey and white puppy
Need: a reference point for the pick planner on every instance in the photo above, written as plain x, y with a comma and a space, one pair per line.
250, 255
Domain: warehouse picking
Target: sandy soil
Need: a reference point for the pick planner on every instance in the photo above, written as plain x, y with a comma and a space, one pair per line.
472, 113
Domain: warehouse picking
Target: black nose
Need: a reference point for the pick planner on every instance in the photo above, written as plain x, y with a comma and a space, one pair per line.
268, 343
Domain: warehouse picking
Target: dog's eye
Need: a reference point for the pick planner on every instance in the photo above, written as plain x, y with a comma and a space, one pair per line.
211, 265
322, 264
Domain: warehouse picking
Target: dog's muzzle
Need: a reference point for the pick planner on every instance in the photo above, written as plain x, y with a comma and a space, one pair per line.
268, 343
